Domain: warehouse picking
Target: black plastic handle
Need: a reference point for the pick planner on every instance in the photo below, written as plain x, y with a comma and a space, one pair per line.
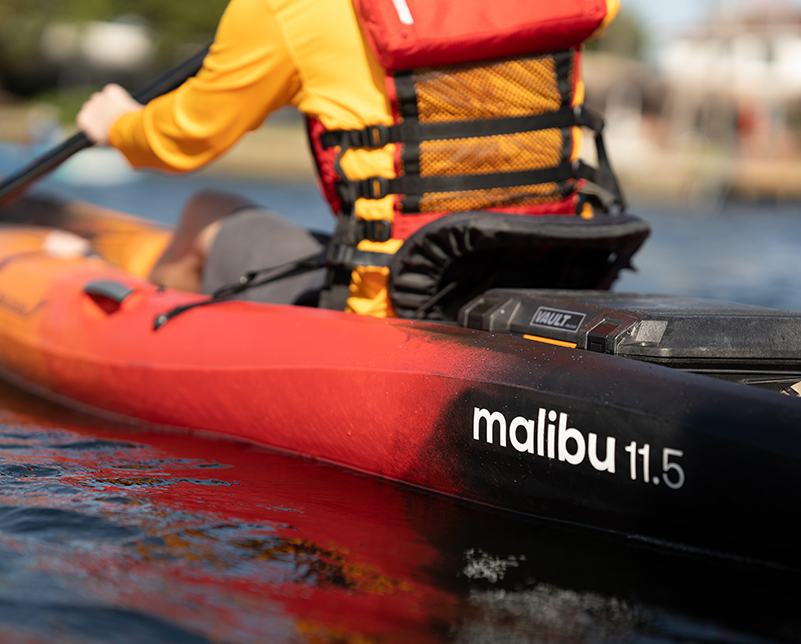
114, 291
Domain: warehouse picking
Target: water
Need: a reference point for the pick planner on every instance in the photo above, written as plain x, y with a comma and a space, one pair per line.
117, 533
744, 253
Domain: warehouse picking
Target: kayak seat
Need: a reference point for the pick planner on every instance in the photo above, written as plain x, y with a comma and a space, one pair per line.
453, 259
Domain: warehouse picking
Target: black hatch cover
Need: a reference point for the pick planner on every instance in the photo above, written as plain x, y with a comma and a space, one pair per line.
683, 332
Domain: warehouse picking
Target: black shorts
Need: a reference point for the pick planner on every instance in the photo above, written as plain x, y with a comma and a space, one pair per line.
256, 238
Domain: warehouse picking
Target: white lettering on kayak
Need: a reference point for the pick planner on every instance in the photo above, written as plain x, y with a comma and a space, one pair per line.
554, 438
490, 420
404, 14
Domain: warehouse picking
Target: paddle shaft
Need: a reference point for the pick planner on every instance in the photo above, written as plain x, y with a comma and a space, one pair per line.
50, 160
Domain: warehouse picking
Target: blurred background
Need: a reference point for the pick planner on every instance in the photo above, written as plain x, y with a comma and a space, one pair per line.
55, 53
702, 100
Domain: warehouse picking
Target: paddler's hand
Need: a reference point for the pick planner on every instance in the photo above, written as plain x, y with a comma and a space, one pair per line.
102, 109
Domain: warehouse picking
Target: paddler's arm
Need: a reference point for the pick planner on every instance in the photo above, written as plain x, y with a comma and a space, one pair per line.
247, 75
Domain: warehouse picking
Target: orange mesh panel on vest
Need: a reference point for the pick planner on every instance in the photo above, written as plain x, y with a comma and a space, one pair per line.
493, 89
482, 155
496, 89
494, 198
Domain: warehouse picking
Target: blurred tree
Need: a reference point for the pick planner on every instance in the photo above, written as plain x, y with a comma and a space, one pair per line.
625, 37
179, 28
19, 58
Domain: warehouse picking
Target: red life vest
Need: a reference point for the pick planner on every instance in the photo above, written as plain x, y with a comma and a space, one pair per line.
406, 34
487, 102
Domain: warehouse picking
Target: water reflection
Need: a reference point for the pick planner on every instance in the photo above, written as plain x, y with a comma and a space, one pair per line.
114, 533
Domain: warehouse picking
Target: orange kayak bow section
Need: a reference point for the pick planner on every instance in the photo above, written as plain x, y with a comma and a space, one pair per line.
569, 434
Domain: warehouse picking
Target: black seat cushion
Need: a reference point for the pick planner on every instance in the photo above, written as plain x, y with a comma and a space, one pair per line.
470, 252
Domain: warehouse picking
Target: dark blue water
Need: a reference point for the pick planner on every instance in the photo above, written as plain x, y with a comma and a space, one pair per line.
745, 252
116, 533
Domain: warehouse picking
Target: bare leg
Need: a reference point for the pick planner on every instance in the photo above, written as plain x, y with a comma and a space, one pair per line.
181, 264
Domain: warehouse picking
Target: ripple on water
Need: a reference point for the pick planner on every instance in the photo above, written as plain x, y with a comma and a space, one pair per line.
96, 445
24, 470
94, 623
50, 524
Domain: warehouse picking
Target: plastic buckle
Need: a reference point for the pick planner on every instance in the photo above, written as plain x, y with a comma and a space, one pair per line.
375, 188
379, 230
379, 135
374, 136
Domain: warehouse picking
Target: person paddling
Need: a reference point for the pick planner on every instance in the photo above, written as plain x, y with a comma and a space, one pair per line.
400, 138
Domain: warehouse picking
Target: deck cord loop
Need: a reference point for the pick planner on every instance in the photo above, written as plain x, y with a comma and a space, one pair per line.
248, 281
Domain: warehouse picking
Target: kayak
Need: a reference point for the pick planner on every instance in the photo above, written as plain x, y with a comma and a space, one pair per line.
658, 419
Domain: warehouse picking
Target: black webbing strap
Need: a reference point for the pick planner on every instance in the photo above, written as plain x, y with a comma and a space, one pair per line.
350, 230
376, 230
334, 295
341, 258
412, 131
415, 185
406, 91
605, 177
350, 256
380, 187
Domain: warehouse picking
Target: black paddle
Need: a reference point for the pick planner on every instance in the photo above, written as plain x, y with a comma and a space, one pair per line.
50, 160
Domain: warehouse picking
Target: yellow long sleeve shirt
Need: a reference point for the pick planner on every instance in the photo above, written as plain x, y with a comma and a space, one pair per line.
268, 54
